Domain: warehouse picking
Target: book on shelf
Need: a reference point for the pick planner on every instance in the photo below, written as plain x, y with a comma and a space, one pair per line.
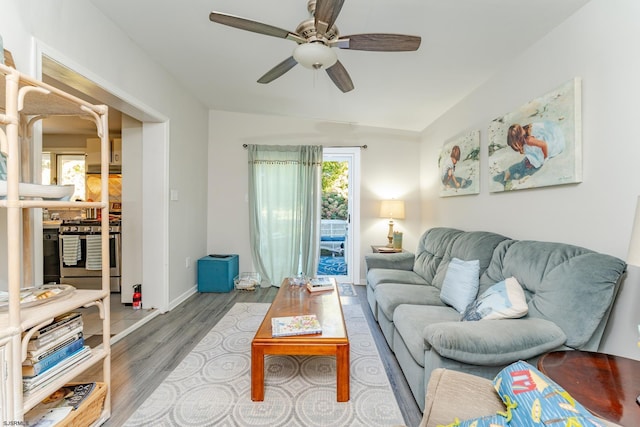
37, 368
49, 417
59, 404
55, 335
77, 393
58, 321
31, 384
34, 356
307, 324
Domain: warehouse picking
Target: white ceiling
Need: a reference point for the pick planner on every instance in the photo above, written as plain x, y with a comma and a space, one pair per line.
463, 43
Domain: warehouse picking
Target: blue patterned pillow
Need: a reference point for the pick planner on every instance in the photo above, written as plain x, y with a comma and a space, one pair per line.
460, 285
538, 401
531, 400
488, 421
504, 300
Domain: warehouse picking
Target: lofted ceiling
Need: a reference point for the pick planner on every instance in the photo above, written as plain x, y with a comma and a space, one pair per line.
463, 43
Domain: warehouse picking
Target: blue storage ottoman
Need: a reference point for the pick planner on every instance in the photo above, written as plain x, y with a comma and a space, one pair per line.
216, 273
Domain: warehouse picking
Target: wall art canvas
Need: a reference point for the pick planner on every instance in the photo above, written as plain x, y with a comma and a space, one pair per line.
539, 144
459, 165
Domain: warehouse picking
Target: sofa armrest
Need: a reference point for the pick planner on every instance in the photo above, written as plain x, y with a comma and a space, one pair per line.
397, 261
494, 342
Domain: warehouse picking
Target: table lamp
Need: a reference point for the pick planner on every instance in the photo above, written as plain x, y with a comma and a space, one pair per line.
391, 209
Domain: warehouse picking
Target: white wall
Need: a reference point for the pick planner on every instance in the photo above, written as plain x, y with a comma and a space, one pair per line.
132, 209
390, 168
598, 44
79, 32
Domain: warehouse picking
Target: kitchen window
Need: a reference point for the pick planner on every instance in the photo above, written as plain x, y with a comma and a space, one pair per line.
71, 171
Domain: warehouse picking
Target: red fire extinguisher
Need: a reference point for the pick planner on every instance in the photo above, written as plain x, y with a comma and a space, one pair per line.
137, 297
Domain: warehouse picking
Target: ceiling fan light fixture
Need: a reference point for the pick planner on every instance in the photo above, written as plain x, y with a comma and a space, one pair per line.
314, 56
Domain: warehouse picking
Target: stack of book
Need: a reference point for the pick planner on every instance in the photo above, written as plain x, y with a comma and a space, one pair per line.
53, 349
320, 284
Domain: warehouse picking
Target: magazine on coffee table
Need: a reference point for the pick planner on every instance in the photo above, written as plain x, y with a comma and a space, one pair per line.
295, 325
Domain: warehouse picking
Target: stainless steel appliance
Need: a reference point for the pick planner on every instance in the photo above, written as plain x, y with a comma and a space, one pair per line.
50, 256
80, 264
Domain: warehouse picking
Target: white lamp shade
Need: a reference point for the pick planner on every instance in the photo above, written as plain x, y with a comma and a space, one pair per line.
633, 256
314, 56
392, 209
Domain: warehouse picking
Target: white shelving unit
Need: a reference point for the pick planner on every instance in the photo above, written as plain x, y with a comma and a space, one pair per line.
26, 101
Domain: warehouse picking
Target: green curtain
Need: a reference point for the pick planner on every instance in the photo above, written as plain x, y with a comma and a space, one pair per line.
284, 209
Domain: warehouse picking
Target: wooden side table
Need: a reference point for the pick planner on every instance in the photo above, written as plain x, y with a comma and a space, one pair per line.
606, 385
381, 249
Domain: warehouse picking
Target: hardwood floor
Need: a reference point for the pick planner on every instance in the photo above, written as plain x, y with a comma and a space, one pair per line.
144, 358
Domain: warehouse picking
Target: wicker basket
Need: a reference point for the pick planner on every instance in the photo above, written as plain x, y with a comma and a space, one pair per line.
247, 281
89, 410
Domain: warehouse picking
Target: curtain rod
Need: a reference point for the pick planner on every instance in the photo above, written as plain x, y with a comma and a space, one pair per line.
364, 147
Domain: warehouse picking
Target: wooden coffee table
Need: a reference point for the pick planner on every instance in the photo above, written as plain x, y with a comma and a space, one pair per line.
606, 385
294, 300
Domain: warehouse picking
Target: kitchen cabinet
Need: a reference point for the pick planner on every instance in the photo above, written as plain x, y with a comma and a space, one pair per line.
116, 151
26, 101
93, 151
93, 154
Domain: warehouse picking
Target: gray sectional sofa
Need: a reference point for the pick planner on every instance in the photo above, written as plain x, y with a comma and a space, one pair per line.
569, 294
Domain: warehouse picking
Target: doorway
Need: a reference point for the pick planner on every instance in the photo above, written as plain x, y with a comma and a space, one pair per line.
149, 137
339, 229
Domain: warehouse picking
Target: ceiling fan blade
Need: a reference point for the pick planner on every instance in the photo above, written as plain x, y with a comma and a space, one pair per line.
278, 70
254, 26
380, 42
340, 77
326, 13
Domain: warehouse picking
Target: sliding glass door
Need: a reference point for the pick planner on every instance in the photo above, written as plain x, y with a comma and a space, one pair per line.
339, 236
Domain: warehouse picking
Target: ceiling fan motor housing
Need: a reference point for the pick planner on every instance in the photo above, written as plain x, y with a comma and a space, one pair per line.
307, 29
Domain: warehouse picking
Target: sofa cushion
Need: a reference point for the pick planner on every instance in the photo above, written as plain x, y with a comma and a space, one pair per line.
571, 286
390, 295
410, 320
494, 342
504, 300
395, 261
432, 247
378, 276
469, 245
460, 286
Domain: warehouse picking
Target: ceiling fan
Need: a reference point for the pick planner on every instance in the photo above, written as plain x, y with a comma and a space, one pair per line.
315, 38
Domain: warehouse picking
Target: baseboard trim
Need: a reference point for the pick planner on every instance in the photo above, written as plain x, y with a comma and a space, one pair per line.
182, 298
176, 302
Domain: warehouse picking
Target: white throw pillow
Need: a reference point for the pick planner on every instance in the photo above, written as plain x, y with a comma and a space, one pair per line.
460, 285
504, 300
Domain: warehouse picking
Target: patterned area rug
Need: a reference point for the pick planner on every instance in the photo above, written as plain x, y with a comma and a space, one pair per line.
212, 385
347, 290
